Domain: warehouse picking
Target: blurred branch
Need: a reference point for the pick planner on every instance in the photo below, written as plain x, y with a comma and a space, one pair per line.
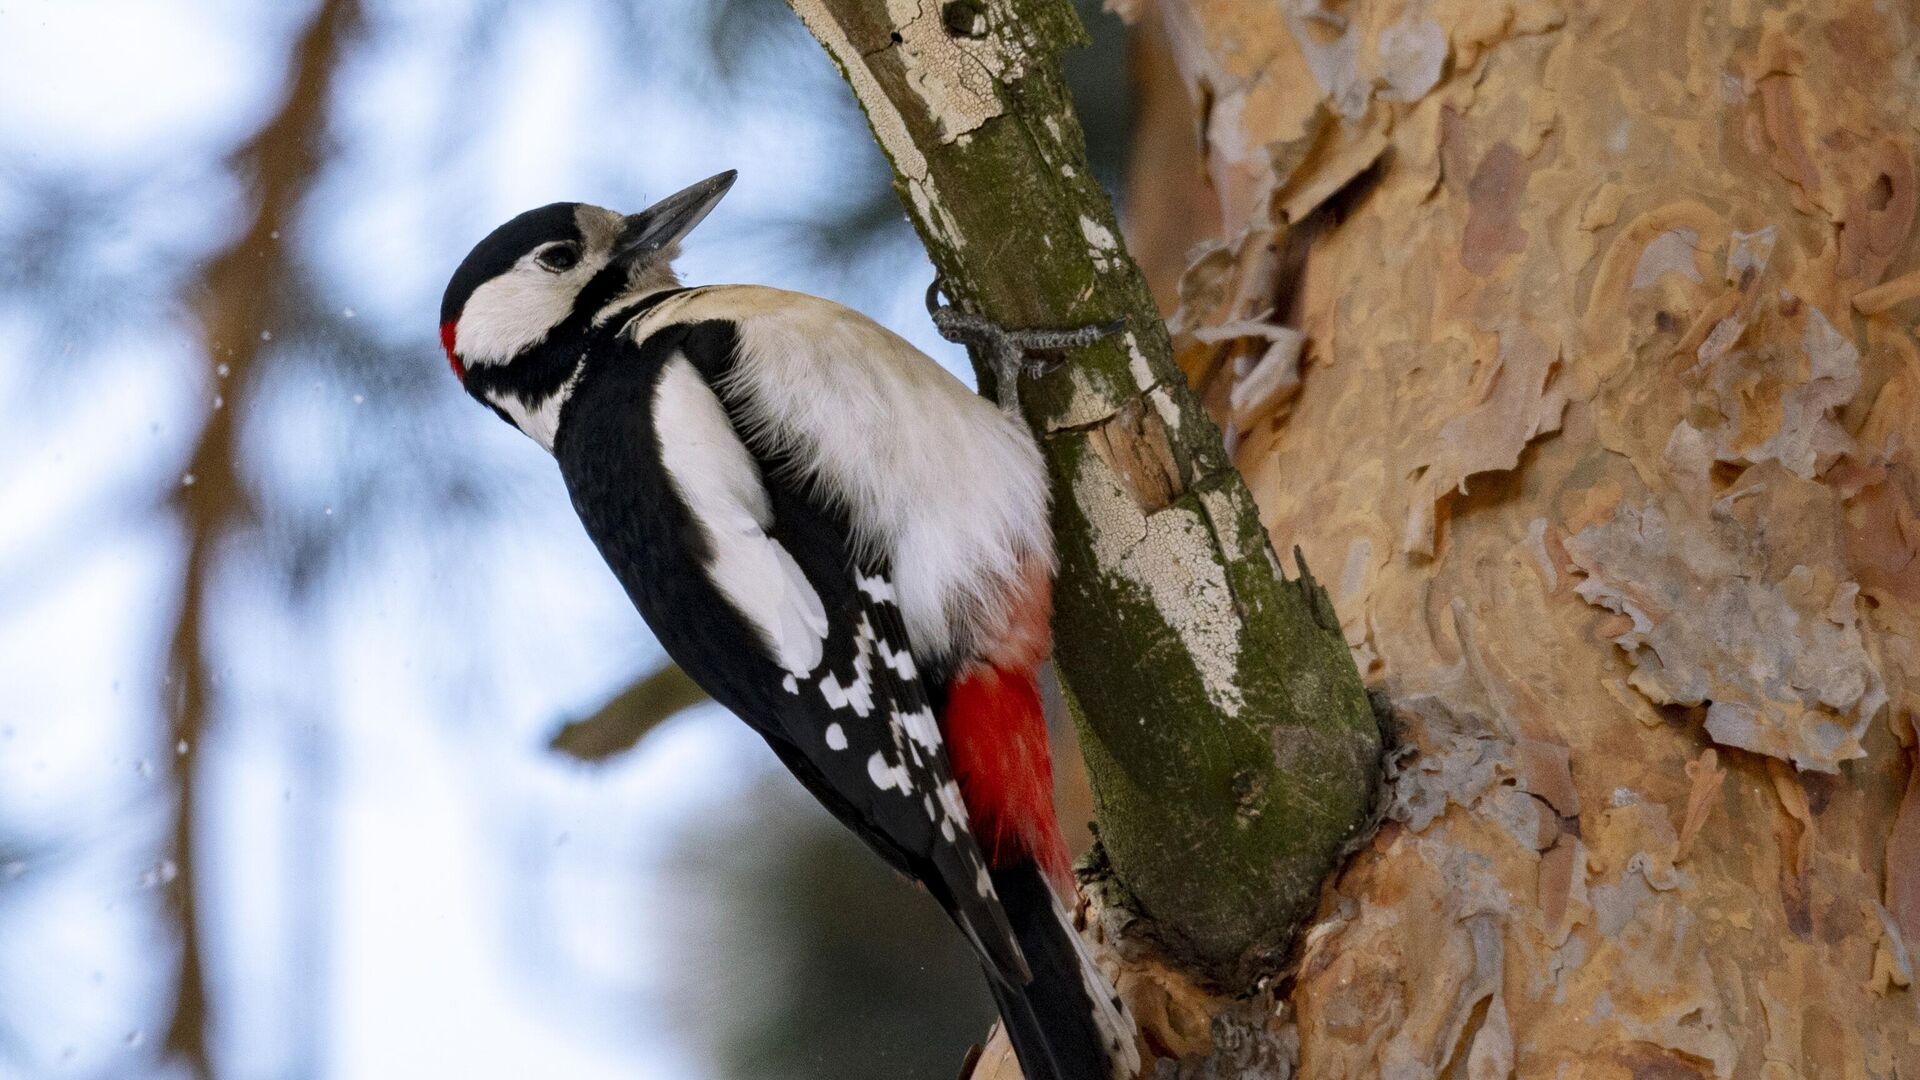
621, 723
739, 29
65, 230
239, 294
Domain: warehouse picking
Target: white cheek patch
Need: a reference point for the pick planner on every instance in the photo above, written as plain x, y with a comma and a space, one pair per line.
512, 312
715, 476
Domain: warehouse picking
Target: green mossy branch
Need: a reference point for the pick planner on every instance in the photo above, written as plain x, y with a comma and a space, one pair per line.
1231, 747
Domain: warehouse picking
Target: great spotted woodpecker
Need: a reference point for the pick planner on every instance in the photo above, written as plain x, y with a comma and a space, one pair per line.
835, 538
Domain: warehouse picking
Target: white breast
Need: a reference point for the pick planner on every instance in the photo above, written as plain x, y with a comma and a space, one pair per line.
952, 490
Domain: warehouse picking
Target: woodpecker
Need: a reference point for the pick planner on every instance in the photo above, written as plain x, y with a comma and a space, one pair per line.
836, 539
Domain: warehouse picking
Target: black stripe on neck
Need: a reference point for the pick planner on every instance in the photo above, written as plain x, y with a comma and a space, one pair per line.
626, 316
539, 372
649, 302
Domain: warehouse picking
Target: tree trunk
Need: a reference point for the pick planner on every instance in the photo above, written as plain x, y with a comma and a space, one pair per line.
1232, 753
1605, 434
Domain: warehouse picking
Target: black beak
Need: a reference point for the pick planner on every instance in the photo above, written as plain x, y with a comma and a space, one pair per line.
661, 225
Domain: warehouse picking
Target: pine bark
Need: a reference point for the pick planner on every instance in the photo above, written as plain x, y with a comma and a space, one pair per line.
1232, 752
1604, 430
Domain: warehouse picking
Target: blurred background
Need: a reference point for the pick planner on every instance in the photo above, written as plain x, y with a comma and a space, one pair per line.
288, 626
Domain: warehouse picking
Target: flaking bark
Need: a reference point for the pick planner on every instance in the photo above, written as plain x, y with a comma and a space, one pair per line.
1232, 752
1607, 432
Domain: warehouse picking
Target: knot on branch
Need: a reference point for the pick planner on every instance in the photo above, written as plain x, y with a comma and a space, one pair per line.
964, 18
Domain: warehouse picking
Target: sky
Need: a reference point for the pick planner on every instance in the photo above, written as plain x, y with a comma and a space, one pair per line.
401, 880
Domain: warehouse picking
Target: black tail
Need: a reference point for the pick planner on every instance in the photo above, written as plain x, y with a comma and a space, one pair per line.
1067, 1023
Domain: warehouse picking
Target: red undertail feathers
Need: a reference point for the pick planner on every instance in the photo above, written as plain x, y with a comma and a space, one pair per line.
997, 741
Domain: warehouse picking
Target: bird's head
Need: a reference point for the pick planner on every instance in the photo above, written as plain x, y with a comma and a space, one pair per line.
551, 272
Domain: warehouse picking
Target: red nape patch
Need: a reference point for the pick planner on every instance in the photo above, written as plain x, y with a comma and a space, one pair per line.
997, 740
446, 342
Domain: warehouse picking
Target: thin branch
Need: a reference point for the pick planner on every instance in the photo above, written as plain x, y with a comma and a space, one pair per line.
620, 724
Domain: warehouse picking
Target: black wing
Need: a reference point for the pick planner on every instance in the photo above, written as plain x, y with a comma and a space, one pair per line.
857, 727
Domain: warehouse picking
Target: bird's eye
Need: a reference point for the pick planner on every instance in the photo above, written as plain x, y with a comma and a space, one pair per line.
559, 258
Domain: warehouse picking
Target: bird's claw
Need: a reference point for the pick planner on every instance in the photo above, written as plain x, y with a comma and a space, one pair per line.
1010, 352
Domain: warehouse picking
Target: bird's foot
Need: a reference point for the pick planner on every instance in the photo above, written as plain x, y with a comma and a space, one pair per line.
1011, 353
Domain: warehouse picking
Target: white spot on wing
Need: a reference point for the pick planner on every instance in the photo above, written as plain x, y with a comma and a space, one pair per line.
877, 588
950, 798
836, 737
887, 776
901, 662
857, 694
921, 727
716, 478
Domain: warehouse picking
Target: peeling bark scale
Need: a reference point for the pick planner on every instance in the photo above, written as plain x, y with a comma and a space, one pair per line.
1231, 749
